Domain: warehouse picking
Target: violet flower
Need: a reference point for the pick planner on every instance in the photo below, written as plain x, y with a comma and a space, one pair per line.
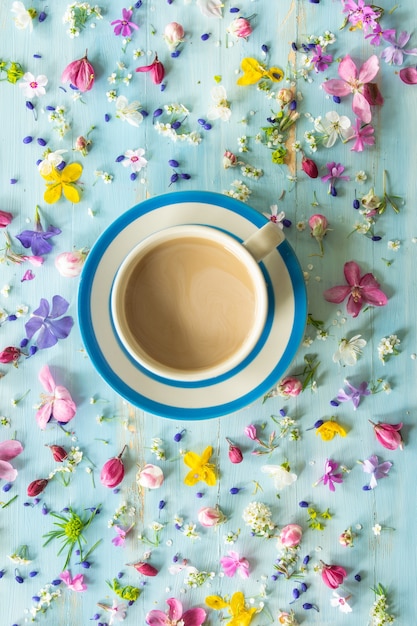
124, 26
320, 61
354, 394
394, 54
360, 290
335, 171
37, 240
361, 13
49, 322
376, 469
377, 34
330, 475
363, 135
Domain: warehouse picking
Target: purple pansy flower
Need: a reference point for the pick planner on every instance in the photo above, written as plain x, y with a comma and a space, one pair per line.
49, 322
354, 394
376, 469
394, 54
37, 240
124, 26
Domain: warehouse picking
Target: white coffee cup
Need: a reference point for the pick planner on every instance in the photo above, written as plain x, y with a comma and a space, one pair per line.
190, 302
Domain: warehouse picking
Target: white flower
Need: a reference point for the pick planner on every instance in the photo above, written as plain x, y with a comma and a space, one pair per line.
274, 216
135, 159
128, 112
210, 8
50, 161
388, 346
23, 17
377, 529
281, 477
349, 350
360, 177
341, 602
334, 126
220, 108
32, 86
394, 245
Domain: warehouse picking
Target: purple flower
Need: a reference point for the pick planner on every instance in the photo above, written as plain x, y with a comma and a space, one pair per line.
321, 61
377, 34
355, 393
376, 469
335, 171
124, 26
361, 13
37, 240
49, 322
363, 135
394, 54
330, 475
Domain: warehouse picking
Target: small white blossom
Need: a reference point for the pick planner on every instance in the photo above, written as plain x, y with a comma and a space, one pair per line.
394, 245
221, 107
349, 350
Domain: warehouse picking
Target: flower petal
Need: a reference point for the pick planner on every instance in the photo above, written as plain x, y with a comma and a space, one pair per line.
336, 87
352, 273
175, 609
409, 75
53, 193
361, 108
157, 618
369, 69
43, 415
347, 69
71, 173
7, 471
337, 294
10, 449
194, 617
71, 193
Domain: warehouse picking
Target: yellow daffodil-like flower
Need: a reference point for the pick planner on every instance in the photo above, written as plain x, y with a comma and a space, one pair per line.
329, 429
201, 469
240, 615
253, 71
58, 182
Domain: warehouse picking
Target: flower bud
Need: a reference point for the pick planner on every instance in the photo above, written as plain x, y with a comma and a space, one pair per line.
240, 27
284, 96
319, 227
5, 218
173, 35
389, 435
113, 471
145, 568
229, 160
150, 477
250, 431
156, 69
309, 167
36, 487
291, 535
79, 73
209, 516
235, 453
81, 145
10, 355
59, 453
70, 264
290, 387
333, 575
346, 538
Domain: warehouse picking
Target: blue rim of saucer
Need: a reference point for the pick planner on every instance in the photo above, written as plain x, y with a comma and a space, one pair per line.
138, 398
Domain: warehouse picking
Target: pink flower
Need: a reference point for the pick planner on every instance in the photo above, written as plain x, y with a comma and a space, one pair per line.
318, 224
156, 69
363, 134
124, 26
333, 575
389, 435
240, 27
359, 290
121, 533
233, 563
175, 615
5, 218
330, 475
250, 431
173, 35
76, 583
11, 354
320, 61
150, 477
209, 516
290, 387
9, 450
409, 75
291, 535
79, 73
113, 471
70, 264
58, 405
361, 14
334, 172
352, 81
28, 275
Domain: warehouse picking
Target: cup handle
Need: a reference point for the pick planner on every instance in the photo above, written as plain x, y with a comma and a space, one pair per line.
264, 240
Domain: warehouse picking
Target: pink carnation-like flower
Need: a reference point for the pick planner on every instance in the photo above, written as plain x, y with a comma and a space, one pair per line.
240, 27
234, 563
113, 471
290, 387
79, 73
209, 516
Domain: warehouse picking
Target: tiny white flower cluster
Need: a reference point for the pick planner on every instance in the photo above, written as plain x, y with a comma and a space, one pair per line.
105, 176
46, 596
74, 458
387, 347
196, 579
157, 450
251, 172
240, 192
21, 310
121, 75
231, 537
57, 117
379, 611
77, 15
189, 529
122, 511
5, 421
258, 517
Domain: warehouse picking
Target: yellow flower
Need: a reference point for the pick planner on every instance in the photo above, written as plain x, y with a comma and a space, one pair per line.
240, 615
329, 429
58, 182
201, 469
253, 71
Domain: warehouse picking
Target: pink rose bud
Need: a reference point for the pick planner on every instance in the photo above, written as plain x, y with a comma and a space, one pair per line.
70, 264
389, 435
36, 487
81, 145
309, 167
145, 568
240, 27
229, 160
250, 431
113, 471
291, 535
151, 476
79, 73
5, 218
156, 69
59, 453
173, 35
235, 453
290, 387
285, 96
10, 355
346, 538
209, 516
333, 575
319, 227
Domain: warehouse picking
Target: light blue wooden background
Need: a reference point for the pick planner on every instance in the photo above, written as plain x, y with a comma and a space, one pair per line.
390, 558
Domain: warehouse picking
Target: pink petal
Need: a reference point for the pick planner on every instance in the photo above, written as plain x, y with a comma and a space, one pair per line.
336, 87
43, 415
352, 273
46, 379
403, 38
353, 307
229, 565
409, 75
77, 583
7, 471
157, 618
347, 69
369, 69
194, 617
64, 408
376, 297
10, 449
175, 609
337, 294
66, 577
361, 107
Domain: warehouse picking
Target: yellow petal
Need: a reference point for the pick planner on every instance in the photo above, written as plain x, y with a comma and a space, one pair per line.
206, 455
192, 477
216, 602
252, 71
72, 172
192, 459
208, 475
71, 192
237, 603
275, 74
53, 193
53, 176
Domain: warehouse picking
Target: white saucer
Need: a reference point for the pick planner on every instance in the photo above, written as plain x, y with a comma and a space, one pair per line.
210, 398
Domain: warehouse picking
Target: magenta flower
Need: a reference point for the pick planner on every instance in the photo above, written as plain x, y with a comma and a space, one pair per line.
409, 75
335, 171
361, 14
377, 34
175, 615
124, 26
330, 475
363, 135
49, 322
234, 563
57, 405
389, 435
121, 534
76, 583
353, 81
320, 61
360, 290
9, 450
394, 54
79, 73
156, 69
376, 469
355, 393
333, 575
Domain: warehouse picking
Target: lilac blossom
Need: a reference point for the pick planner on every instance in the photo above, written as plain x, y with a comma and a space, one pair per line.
354, 394
124, 26
37, 240
361, 14
394, 54
330, 475
335, 171
363, 135
376, 469
49, 322
377, 34
321, 61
